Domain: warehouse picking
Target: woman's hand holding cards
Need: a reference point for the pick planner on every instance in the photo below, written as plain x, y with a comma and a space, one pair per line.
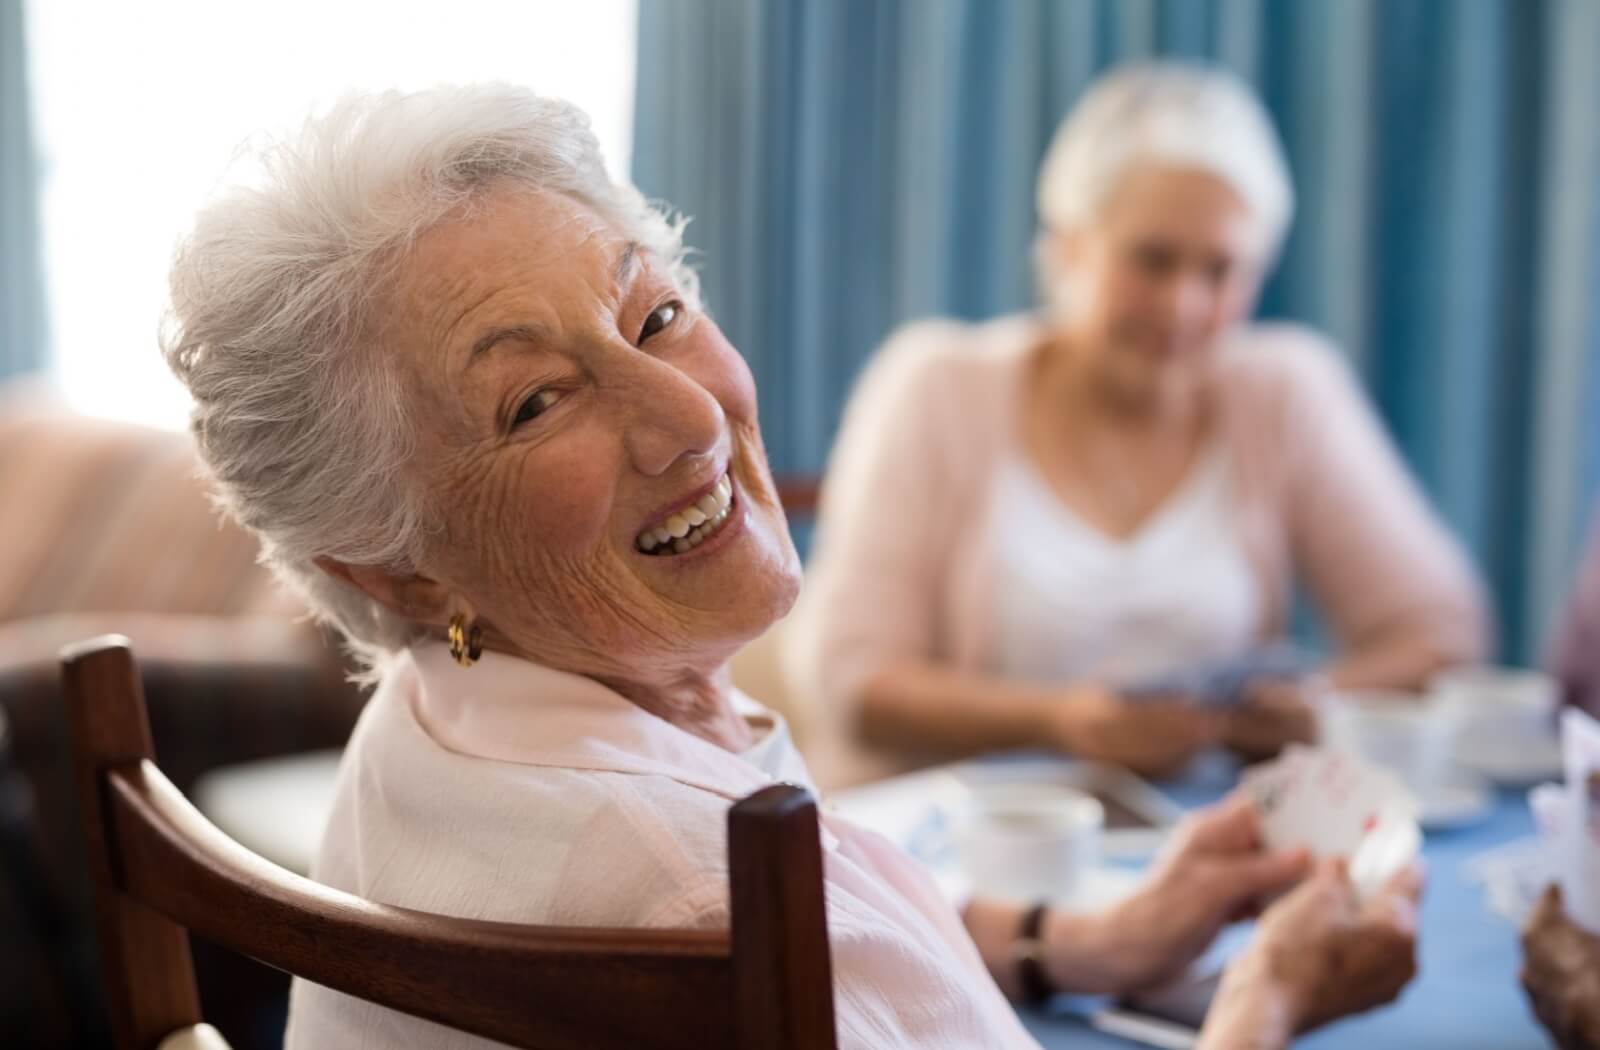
1214, 873
1561, 974
1154, 737
1275, 713
1320, 954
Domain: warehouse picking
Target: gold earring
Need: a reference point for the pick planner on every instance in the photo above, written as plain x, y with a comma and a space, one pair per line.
466, 643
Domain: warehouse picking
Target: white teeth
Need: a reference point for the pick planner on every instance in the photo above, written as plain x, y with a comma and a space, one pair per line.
689, 527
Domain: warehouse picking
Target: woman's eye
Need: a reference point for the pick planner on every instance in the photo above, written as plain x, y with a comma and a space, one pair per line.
659, 318
535, 406
1155, 259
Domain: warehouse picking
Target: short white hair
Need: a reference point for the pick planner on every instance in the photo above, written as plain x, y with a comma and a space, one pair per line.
299, 416
1168, 114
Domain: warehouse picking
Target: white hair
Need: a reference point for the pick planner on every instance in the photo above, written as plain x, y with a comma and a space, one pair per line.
1164, 114
299, 416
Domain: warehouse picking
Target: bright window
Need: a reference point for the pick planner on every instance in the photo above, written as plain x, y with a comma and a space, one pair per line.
141, 107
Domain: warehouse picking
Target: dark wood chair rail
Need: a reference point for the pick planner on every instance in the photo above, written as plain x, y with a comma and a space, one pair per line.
800, 494
159, 868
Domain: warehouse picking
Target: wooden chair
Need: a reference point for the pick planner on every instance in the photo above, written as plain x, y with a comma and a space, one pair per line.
160, 868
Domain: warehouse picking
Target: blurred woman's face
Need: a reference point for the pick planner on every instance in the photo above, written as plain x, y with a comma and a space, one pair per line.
590, 444
1175, 259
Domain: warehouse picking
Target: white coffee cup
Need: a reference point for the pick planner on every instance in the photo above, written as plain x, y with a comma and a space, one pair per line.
1027, 840
1409, 734
1499, 709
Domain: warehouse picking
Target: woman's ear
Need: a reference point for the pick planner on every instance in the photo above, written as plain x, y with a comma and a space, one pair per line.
414, 597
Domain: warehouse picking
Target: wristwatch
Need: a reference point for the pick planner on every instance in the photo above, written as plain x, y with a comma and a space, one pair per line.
1028, 950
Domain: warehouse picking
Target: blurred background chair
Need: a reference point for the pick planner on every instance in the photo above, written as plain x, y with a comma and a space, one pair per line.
158, 867
107, 528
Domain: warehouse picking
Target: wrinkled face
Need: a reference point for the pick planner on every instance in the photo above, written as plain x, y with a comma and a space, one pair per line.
590, 444
1175, 259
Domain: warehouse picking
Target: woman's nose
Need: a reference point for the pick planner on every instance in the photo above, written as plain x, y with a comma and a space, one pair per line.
1188, 300
669, 416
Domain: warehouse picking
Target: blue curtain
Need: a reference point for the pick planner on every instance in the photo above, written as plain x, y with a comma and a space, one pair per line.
22, 304
850, 164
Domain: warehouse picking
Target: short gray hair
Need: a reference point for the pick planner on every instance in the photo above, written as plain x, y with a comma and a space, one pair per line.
300, 420
1171, 113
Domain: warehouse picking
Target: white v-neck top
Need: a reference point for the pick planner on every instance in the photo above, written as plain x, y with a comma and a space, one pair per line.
1071, 603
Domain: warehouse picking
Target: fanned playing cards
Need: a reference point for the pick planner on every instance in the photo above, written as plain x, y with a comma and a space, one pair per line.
1566, 846
1568, 820
1334, 804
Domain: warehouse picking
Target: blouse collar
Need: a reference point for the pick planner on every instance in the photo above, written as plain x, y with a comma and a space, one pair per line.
512, 710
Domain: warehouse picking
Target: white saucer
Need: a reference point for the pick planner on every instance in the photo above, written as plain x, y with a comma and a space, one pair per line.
1456, 805
1520, 765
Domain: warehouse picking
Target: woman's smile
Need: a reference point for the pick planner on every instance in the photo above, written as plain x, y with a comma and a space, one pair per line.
694, 521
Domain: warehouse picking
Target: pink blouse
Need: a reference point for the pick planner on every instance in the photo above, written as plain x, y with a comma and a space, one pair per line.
511, 792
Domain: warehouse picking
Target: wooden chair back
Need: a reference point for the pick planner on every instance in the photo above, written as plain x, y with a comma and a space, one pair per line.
160, 868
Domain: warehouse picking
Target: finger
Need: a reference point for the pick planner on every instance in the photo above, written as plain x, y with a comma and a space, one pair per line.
1408, 881
1335, 869
1550, 912
1394, 908
1229, 826
1331, 876
1263, 693
1268, 873
1183, 715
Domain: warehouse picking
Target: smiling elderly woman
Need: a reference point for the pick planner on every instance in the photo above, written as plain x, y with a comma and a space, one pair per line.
460, 385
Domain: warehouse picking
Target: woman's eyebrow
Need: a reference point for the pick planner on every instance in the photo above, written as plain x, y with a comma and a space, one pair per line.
486, 341
623, 271
626, 266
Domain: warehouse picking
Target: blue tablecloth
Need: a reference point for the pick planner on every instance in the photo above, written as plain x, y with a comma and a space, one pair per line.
1466, 996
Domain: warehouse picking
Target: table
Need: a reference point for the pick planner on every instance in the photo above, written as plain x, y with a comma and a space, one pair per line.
1466, 996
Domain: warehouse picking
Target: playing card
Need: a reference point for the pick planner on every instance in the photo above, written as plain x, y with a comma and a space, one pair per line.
1578, 837
1514, 874
1278, 793
1567, 848
1548, 803
1335, 805
1225, 683
1394, 842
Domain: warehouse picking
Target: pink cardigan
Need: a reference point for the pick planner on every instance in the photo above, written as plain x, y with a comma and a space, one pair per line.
897, 571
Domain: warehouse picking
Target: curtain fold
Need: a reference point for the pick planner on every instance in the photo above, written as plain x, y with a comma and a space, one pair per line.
851, 164
23, 338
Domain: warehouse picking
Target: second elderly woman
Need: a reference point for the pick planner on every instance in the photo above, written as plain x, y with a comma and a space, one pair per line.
1027, 524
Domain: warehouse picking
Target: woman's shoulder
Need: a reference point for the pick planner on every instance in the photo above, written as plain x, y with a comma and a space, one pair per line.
1281, 377
417, 825
532, 844
1276, 357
